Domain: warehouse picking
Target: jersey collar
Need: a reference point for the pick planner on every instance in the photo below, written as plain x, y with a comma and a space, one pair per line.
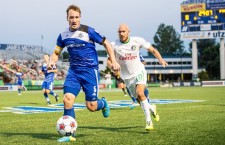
74, 30
126, 41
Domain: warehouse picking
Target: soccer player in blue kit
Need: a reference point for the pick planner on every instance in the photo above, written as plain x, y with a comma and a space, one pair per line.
83, 71
19, 76
47, 85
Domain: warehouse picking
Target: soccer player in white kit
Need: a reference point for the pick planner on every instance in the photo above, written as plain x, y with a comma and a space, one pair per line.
132, 71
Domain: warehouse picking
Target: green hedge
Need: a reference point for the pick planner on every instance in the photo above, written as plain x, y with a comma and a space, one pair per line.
1, 83
36, 84
39, 82
153, 85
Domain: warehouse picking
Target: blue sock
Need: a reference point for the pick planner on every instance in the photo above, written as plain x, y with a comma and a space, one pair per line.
19, 90
101, 104
128, 91
147, 94
46, 95
69, 112
133, 99
52, 93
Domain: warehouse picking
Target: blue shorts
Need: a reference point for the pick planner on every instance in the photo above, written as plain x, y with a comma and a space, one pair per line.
87, 79
20, 83
47, 85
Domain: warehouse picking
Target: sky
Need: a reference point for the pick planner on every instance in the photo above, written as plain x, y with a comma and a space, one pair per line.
28, 21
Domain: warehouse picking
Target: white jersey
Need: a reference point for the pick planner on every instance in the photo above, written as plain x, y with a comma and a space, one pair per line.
127, 55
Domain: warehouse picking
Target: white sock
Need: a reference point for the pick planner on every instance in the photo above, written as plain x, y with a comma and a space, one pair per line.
47, 99
151, 108
145, 108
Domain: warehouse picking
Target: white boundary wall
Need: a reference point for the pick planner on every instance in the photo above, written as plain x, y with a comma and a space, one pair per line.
212, 83
8, 88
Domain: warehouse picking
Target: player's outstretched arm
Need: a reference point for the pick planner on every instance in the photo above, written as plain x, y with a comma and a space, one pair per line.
114, 65
54, 57
158, 56
109, 65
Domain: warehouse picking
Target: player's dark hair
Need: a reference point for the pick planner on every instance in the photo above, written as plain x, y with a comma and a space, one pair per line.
73, 7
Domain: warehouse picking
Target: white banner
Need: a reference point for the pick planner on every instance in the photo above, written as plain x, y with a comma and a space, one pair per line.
203, 34
9, 88
213, 83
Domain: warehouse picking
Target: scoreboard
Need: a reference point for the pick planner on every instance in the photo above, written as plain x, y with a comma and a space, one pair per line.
203, 20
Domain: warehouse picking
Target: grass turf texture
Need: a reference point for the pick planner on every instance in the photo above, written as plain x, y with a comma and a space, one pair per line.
197, 123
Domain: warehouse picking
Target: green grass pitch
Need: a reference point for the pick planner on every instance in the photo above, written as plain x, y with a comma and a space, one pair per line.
196, 123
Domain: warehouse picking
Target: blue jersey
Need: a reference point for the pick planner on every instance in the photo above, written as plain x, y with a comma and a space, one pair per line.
49, 77
19, 76
81, 46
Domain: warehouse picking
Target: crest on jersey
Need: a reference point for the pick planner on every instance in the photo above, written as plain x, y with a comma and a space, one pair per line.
133, 48
80, 35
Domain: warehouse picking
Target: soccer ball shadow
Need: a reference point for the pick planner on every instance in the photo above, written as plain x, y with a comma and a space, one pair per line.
113, 129
47, 136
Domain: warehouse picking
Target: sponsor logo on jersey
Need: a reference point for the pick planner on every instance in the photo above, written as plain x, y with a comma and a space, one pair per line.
128, 56
75, 45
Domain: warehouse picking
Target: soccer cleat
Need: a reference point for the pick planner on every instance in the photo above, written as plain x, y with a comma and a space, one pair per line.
49, 103
67, 139
106, 109
56, 98
19, 94
155, 114
149, 126
132, 106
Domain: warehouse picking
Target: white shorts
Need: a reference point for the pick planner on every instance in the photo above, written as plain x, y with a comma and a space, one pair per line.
108, 82
140, 78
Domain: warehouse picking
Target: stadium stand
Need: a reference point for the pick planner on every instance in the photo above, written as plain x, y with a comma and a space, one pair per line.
29, 59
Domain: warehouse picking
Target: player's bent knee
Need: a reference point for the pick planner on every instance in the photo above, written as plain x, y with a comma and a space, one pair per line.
68, 100
47, 91
141, 96
43, 91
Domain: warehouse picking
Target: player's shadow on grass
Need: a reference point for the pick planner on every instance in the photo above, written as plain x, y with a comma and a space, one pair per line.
32, 103
119, 129
47, 136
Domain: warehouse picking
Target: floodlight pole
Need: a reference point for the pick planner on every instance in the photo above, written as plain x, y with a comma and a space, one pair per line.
42, 39
194, 60
222, 59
